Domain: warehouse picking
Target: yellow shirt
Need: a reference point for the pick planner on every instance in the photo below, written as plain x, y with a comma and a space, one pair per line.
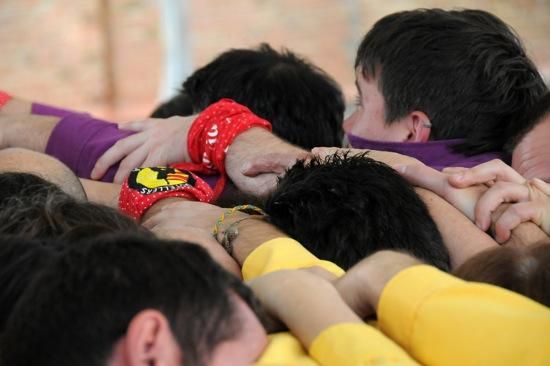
438, 319
442, 320
343, 344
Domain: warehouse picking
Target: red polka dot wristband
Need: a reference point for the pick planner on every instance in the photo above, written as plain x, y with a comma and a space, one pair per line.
145, 186
211, 134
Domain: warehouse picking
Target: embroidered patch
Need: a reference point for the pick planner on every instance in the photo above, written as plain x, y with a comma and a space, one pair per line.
159, 179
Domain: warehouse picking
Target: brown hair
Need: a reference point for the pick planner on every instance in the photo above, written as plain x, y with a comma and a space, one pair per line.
525, 270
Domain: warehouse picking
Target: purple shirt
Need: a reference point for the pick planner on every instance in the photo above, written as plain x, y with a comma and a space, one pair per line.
437, 154
79, 140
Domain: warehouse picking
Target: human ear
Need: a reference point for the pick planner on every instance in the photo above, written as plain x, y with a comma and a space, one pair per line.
419, 127
150, 341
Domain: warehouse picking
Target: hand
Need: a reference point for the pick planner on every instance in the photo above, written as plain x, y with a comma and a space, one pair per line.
180, 212
530, 198
256, 158
464, 199
190, 221
158, 142
390, 158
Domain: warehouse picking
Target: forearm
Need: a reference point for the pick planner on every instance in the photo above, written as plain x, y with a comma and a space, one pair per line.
306, 303
252, 234
461, 237
27, 131
256, 158
102, 192
16, 106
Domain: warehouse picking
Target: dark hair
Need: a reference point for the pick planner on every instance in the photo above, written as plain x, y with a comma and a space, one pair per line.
345, 208
536, 115
82, 303
303, 103
467, 70
20, 260
525, 270
32, 207
179, 105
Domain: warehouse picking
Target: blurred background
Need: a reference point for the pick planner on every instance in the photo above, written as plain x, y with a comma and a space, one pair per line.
118, 58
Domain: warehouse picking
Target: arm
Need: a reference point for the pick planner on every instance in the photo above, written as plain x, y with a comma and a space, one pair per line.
461, 237
257, 157
315, 313
259, 248
26, 131
181, 219
474, 323
101, 192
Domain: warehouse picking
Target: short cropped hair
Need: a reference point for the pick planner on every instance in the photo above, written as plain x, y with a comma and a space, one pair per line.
303, 103
467, 70
525, 270
344, 208
81, 304
31, 207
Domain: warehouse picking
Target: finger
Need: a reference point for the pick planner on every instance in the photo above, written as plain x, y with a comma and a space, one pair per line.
423, 176
513, 216
133, 160
115, 154
491, 170
136, 125
499, 193
454, 170
541, 185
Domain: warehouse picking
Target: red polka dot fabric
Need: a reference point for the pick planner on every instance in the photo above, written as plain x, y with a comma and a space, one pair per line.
212, 133
145, 186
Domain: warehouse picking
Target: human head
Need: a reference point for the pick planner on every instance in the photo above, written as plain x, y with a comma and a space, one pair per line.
464, 72
345, 208
303, 103
20, 260
42, 165
524, 270
31, 207
530, 154
130, 300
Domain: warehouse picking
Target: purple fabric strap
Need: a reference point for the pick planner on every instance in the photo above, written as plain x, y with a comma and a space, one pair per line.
437, 154
79, 140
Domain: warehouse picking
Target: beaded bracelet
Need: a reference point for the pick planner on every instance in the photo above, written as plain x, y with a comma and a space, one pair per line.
231, 211
232, 231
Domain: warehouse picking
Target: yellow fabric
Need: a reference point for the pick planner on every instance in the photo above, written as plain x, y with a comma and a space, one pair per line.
357, 344
285, 350
282, 253
441, 320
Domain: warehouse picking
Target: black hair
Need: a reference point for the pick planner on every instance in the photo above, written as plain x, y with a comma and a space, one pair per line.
81, 304
31, 207
466, 69
303, 103
20, 260
344, 208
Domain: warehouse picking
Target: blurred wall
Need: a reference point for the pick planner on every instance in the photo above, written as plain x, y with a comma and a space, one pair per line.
106, 56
